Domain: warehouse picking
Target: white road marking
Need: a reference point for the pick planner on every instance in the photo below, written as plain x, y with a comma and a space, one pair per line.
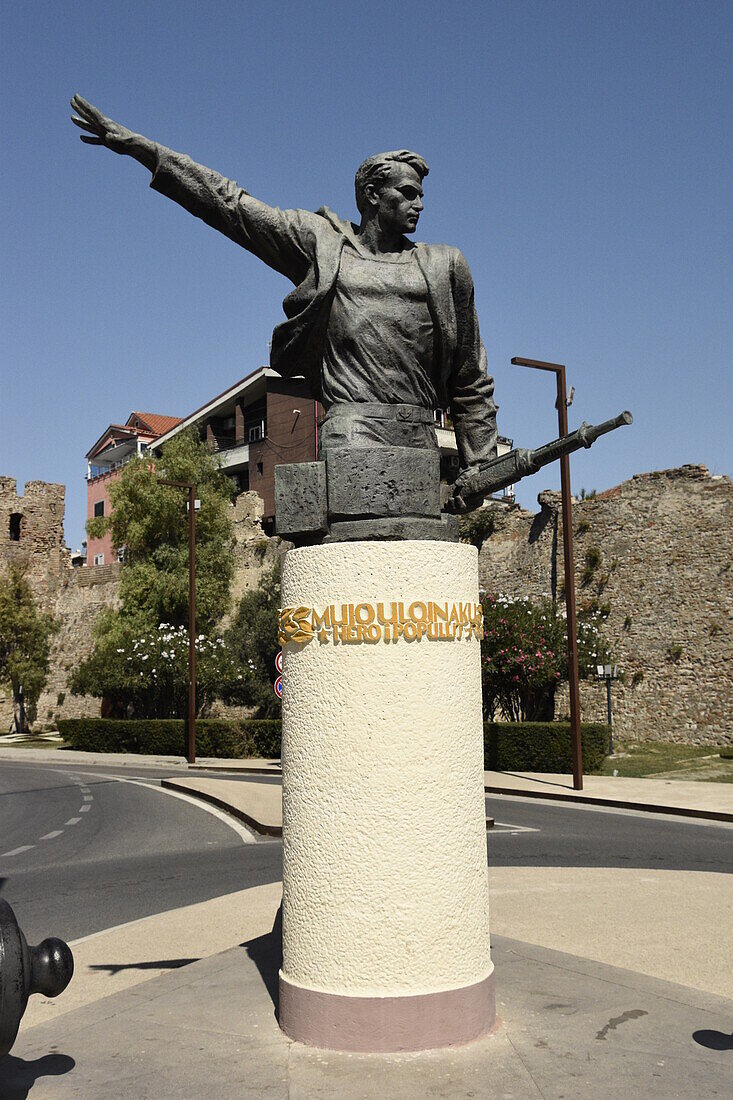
241, 830
87, 796
513, 830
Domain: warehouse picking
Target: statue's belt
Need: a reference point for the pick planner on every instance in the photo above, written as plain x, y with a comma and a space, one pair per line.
371, 410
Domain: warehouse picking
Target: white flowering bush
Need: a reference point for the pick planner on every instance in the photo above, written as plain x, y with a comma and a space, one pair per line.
145, 672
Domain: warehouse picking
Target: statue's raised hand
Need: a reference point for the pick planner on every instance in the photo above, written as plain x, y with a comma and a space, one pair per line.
104, 131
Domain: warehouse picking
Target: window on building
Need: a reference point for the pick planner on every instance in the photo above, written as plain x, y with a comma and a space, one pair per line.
99, 559
260, 469
99, 508
14, 526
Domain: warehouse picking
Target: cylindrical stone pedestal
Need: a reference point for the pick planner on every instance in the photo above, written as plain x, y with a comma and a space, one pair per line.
385, 877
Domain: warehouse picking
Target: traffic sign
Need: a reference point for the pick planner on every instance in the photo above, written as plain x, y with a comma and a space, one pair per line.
279, 687
279, 661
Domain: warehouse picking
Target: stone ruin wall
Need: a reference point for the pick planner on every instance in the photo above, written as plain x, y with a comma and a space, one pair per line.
666, 546
254, 552
75, 596
37, 518
665, 541
83, 595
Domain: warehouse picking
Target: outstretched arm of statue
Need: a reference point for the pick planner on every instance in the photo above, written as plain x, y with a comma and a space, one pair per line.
283, 239
101, 130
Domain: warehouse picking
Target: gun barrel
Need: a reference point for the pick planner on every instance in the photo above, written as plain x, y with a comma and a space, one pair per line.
509, 468
592, 432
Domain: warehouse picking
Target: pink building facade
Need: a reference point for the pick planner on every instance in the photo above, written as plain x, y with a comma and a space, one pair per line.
114, 448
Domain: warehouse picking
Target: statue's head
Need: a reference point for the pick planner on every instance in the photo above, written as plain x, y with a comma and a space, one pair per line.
389, 185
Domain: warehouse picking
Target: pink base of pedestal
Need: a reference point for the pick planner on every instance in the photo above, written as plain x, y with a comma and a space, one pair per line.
428, 1021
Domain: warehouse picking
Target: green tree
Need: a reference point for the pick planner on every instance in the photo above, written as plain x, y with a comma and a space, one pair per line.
252, 642
25, 642
148, 520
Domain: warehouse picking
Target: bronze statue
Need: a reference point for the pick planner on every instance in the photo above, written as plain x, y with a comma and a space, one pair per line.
384, 330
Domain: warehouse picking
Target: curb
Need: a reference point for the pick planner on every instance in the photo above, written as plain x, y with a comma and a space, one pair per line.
276, 772
617, 803
222, 804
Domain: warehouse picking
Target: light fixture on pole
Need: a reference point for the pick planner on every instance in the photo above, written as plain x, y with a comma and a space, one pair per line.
608, 673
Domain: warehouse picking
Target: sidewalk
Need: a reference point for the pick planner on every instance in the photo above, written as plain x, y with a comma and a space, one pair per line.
691, 798
207, 1027
258, 805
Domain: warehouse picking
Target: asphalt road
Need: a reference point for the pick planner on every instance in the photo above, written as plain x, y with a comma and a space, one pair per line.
81, 850
562, 835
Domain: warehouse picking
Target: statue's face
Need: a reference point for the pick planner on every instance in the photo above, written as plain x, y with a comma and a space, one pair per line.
399, 199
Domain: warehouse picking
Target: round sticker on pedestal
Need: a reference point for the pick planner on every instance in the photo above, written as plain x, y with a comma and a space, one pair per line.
279, 687
279, 661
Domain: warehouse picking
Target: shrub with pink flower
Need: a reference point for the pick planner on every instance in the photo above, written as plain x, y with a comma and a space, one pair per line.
524, 656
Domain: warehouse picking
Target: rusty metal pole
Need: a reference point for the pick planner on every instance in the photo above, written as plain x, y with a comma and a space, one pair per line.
191, 757
558, 369
192, 624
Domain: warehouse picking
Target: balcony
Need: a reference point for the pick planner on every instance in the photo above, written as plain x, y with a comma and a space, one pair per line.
232, 454
446, 440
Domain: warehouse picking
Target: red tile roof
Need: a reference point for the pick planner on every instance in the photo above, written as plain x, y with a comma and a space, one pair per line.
157, 423
153, 424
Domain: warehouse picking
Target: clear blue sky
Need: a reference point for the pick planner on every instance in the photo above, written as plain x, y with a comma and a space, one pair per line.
580, 158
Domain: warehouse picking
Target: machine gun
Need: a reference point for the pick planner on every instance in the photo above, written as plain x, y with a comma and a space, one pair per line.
472, 488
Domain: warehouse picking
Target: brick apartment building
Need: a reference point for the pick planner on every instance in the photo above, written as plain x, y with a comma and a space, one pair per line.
116, 446
259, 422
265, 420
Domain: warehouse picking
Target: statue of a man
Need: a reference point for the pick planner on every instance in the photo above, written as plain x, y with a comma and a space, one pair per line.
384, 330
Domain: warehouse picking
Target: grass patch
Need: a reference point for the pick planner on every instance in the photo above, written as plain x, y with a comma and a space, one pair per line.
668, 760
34, 743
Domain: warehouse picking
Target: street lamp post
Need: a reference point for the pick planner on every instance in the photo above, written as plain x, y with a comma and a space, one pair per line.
191, 489
608, 673
558, 369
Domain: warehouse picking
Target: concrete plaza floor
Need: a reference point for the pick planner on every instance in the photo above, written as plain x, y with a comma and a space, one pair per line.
570, 1028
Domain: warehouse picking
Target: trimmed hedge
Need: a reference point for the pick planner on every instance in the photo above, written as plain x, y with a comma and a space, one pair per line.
542, 746
508, 746
215, 737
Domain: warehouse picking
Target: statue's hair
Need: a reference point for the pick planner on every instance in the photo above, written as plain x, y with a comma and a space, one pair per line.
377, 167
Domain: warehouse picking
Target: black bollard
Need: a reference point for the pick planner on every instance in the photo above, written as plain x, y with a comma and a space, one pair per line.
24, 970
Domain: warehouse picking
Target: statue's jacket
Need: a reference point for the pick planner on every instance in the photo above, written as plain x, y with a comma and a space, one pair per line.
306, 248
